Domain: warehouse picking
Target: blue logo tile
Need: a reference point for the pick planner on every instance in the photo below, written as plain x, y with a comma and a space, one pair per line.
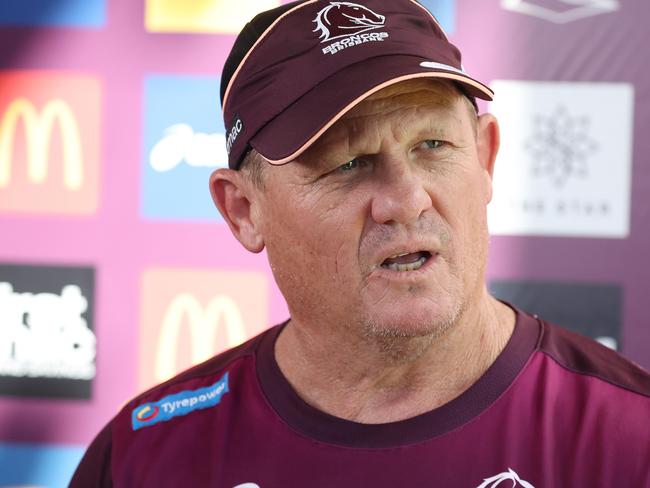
184, 141
444, 11
38, 465
179, 404
64, 13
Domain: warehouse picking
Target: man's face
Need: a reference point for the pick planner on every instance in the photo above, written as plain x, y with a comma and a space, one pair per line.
381, 224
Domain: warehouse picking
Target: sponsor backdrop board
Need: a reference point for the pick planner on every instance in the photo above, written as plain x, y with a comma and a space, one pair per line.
183, 142
47, 343
50, 142
111, 250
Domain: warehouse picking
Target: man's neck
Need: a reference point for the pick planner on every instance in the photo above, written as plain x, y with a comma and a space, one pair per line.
353, 380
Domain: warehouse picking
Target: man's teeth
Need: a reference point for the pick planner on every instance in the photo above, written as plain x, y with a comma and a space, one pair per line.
406, 267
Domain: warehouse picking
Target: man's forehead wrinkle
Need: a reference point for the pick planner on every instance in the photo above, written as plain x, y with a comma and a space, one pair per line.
415, 85
370, 107
449, 124
404, 122
363, 133
335, 140
428, 107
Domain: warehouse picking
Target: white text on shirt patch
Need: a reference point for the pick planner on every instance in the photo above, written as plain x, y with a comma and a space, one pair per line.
179, 404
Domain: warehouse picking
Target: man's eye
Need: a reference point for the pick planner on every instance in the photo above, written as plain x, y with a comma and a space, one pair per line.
432, 144
349, 166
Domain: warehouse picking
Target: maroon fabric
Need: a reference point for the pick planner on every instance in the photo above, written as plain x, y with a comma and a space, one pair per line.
584, 356
326, 428
318, 106
556, 409
288, 70
96, 472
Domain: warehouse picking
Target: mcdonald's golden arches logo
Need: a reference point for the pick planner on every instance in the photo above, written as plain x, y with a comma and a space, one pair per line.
49, 142
189, 316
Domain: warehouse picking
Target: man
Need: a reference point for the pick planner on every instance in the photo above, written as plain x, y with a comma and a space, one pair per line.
358, 161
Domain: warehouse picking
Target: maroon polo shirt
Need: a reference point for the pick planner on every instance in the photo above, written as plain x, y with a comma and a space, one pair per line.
554, 410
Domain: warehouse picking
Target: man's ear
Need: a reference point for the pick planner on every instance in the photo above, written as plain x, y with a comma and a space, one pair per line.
488, 139
235, 197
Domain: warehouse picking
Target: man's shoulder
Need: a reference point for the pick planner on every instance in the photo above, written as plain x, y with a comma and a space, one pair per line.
204, 374
141, 425
591, 399
198, 389
588, 358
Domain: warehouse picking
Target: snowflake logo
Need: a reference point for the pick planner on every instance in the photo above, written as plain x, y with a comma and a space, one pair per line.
560, 146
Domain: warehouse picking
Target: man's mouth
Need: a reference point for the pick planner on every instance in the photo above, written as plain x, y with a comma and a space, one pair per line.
410, 261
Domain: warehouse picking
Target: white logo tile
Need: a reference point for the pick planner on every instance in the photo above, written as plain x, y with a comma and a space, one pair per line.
565, 161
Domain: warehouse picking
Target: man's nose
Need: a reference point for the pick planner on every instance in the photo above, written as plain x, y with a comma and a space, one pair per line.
400, 195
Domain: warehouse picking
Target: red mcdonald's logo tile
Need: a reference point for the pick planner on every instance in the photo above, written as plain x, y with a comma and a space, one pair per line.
49, 142
187, 316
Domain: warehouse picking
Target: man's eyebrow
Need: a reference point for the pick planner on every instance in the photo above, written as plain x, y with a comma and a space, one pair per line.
349, 138
330, 145
317, 161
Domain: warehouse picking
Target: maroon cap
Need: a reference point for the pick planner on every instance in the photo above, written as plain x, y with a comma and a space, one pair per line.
295, 70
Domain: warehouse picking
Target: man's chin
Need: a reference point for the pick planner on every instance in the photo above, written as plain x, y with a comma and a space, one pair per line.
406, 340
412, 323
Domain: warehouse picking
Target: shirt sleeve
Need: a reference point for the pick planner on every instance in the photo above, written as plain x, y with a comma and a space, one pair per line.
94, 470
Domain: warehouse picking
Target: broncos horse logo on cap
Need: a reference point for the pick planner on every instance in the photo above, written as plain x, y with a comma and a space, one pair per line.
510, 476
342, 19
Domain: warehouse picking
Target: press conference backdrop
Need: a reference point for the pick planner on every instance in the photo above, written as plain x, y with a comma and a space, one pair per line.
116, 271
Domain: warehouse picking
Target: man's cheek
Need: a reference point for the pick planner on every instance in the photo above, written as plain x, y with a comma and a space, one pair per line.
345, 260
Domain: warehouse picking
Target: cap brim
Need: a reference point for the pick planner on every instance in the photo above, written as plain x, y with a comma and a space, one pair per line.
290, 133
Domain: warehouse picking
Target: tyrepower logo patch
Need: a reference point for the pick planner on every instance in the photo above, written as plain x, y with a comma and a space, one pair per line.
349, 23
209, 16
49, 142
146, 412
47, 342
179, 404
189, 316
183, 144
555, 175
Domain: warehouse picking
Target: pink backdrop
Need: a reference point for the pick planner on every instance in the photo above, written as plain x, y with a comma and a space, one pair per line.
131, 84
